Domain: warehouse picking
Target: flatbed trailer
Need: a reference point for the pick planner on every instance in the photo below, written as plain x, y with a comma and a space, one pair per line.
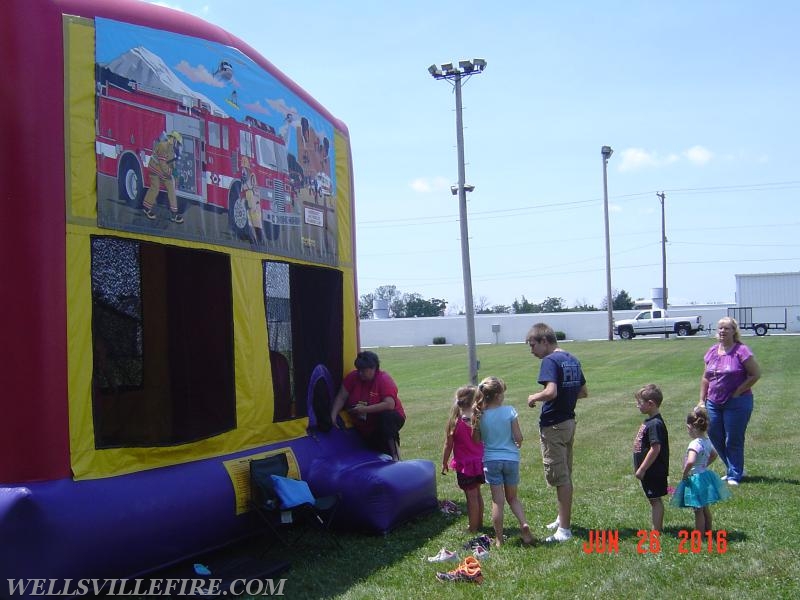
744, 316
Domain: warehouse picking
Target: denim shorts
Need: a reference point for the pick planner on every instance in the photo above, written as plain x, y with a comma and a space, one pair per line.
501, 472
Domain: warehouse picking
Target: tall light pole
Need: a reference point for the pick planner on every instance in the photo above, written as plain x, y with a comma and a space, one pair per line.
662, 196
456, 75
606, 151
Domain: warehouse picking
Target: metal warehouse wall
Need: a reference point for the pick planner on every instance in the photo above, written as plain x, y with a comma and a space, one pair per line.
768, 289
772, 296
512, 328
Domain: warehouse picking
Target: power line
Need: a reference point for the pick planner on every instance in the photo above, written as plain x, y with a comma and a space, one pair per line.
534, 274
575, 204
441, 250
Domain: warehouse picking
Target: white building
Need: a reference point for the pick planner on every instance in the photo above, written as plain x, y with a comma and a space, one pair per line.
772, 298
506, 329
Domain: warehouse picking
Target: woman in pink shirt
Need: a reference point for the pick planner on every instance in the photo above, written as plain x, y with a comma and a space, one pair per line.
730, 372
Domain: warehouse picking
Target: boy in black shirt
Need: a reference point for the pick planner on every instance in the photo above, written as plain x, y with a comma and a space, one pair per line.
651, 452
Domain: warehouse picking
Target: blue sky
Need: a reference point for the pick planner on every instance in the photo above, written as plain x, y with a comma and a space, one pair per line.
698, 99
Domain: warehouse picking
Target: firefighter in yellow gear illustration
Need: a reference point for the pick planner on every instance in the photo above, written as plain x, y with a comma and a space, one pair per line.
253, 202
162, 165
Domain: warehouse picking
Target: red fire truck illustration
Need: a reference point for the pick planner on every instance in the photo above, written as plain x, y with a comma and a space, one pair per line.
131, 116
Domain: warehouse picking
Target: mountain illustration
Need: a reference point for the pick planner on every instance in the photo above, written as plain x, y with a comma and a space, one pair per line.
150, 71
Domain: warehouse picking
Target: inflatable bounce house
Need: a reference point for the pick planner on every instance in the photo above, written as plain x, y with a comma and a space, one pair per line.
179, 293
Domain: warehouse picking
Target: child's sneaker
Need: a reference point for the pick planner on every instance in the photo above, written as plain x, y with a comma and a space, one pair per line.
480, 553
448, 507
469, 570
554, 525
561, 535
148, 212
482, 541
176, 218
443, 555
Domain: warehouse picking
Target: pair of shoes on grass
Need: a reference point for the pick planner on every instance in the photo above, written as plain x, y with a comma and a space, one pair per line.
469, 571
482, 541
444, 555
448, 507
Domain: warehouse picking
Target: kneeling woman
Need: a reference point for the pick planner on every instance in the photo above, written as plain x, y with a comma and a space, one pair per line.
370, 396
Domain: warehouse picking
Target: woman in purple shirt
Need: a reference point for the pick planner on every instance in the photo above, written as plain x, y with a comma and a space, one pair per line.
725, 390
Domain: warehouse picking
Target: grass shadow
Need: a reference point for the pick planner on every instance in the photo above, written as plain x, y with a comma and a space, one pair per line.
361, 556
336, 570
770, 480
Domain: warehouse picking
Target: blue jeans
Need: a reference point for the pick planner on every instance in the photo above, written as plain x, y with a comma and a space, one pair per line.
501, 472
727, 424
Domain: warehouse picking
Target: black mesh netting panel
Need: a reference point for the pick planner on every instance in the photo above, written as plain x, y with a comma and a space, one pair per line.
304, 320
162, 343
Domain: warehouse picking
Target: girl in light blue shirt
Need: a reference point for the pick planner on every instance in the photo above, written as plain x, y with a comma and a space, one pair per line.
497, 426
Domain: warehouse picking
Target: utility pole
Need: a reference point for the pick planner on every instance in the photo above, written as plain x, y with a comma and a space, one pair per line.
606, 152
662, 196
456, 75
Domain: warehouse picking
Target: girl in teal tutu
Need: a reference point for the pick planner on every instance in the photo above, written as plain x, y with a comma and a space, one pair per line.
699, 487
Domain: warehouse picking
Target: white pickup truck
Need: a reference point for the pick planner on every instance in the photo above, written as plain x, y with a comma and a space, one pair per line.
656, 321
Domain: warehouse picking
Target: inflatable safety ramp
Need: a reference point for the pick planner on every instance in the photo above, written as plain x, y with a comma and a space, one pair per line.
378, 494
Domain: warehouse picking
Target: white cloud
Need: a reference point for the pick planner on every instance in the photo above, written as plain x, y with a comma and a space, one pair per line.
639, 158
427, 185
698, 155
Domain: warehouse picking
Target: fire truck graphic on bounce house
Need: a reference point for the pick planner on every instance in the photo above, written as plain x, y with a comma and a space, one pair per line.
218, 159
149, 361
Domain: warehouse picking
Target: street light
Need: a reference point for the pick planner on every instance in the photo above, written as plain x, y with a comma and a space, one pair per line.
662, 196
606, 151
455, 75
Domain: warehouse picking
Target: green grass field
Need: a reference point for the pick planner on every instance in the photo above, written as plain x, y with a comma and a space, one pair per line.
762, 520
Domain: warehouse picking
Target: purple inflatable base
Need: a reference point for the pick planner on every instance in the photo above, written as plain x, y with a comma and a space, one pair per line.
126, 526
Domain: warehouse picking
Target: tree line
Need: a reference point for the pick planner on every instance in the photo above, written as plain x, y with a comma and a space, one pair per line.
405, 305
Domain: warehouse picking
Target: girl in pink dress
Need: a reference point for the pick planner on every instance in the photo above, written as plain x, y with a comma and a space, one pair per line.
467, 455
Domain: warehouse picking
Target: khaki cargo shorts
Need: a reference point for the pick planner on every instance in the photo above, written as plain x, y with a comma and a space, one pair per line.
556, 441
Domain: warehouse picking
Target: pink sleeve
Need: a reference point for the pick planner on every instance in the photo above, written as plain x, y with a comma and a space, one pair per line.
710, 354
744, 353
